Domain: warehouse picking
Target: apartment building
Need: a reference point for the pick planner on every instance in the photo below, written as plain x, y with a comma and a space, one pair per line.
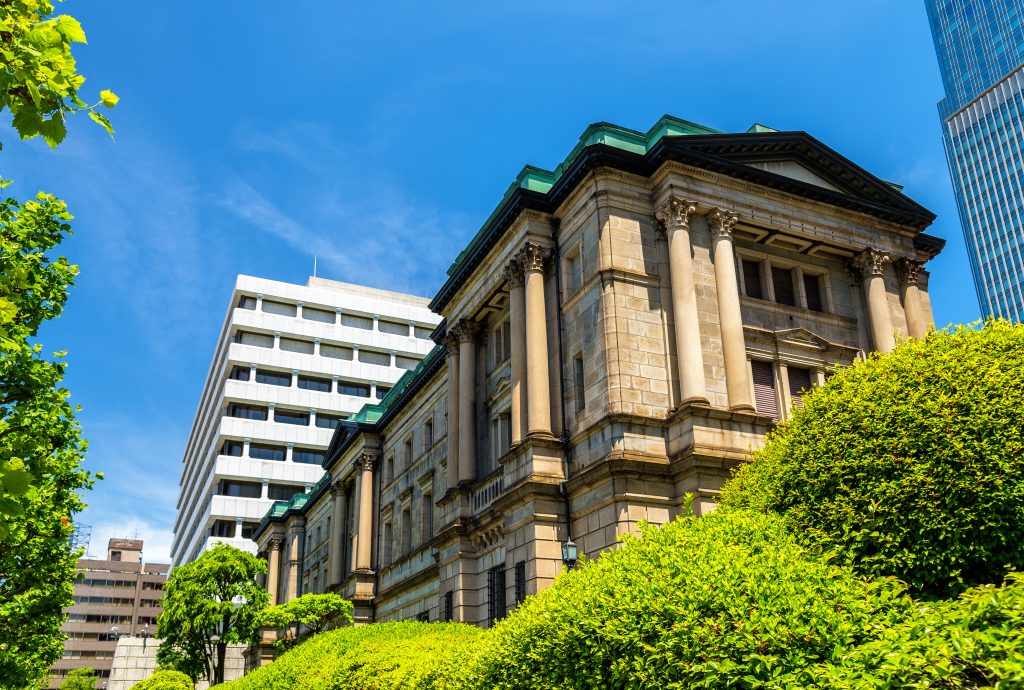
114, 597
291, 363
618, 336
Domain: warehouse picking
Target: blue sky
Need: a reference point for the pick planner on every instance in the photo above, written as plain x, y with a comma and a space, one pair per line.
378, 137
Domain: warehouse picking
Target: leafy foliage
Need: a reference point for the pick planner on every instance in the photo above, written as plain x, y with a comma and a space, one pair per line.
80, 679
39, 83
165, 680
909, 464
314, 611
40, 444
215, 595
410, 656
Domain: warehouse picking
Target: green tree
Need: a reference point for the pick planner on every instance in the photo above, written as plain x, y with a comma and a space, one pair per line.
908, 464
80, 679
39, 83
208, 604
314, 611
165, 680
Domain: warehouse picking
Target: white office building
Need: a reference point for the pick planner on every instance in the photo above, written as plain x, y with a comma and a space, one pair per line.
292, 361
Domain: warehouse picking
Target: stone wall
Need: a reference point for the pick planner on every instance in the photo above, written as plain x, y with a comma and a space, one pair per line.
135, 661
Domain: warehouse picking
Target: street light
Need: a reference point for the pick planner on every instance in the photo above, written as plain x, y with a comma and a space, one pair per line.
570, 554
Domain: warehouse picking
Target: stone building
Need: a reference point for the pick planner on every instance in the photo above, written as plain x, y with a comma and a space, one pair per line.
620, 334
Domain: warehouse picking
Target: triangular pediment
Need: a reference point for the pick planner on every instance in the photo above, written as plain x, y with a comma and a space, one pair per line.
795, 171
803, 337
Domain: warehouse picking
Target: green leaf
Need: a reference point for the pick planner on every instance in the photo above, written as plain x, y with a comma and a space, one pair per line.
109, 98
96, 117
53, 131
70, 29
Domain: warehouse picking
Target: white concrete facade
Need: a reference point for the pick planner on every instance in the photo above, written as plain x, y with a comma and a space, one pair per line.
290, 363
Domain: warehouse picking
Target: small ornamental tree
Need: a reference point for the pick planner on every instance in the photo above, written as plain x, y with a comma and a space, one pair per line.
314, 611
165, 680
80, 679
908, 464
207, 604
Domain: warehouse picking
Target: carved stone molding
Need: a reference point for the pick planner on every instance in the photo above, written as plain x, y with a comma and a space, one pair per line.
871, 262
675, 213
451, 342
910, 271
276, 543
337, 489
465, 331
532, 256
365, 462
513, 273
722, 222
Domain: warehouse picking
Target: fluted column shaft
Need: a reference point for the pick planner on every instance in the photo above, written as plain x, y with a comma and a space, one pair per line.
918, 322
364, 525
467, 332
452, 345
274, 570
337, 532
730, 319
294, 545
517, 321
538, 395
871, 263
675, 218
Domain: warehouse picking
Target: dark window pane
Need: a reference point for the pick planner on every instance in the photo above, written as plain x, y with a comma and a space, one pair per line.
237, 489
752, 279
308, 456
321, 315
764, 389
782, 281
239, 373
326, 421
247, 412
812, 287
360, 390
291, 417
382, 391
311, 383
232, 448
261, 452
799, 382
282, 492
246, 302
274, 378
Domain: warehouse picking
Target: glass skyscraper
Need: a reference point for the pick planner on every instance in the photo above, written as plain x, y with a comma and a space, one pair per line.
980, 46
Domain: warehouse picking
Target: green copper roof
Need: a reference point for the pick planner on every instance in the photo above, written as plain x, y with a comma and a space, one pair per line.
540, 180
758, 127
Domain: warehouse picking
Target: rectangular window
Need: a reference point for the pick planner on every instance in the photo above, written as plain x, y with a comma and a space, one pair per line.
428, 435
291, 417
353, 321
520, 581
782, 281
382, 392
237, 489
388, 536
303, 347
335, 351
224, 529
406, 532
423, 333
408, 453
578, 383
274, 378
308, 456
241, 411
496, 608
799, 383
359, 390
232, 448
327, 421
259, 451
752, 279
254, 339
247, 302
248, 528
280, 308
764, 389
423, 616
282, 492
449, 606
812, 288
239, 373
392, 327
574, 272
312, 383
406, 362
427, 516
382, 359
321, 315
389, 469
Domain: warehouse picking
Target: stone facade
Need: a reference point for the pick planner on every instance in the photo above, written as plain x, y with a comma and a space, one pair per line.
135, 661
617, 338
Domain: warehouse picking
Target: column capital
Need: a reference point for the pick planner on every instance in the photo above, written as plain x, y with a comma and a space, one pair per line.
365, 461
513, 273
276, 543
675, 213
722, 222
465, 331
337, 489
871, 262
531, 257
909, 271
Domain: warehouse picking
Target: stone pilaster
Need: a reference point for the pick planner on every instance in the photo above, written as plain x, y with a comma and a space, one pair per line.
513, 273
364, 522
909, 272
451, 344
467, 332
538, 414
871, 264
674, 216
734, 348
337, 548
274, 569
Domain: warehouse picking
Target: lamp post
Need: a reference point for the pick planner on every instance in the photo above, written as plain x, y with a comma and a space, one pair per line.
570, 554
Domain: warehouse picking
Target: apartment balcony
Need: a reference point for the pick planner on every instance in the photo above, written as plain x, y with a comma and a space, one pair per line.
238, 542
230, 467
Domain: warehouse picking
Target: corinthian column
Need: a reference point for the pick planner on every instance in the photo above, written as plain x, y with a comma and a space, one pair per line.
466, 331
517, 318
337, 532
364, 524
274, 570
538, 415
294, 546
674, 215
909, 271
451, 344
871, 264
734, 348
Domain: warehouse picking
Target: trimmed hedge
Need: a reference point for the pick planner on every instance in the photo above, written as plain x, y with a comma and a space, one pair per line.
726, 600
406, 656
909, 464
165, 680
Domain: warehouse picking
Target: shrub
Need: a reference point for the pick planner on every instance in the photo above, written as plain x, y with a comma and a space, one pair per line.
727, 600
313, 611
976, 641
407, 656
908, 464
80, 679
165, 680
